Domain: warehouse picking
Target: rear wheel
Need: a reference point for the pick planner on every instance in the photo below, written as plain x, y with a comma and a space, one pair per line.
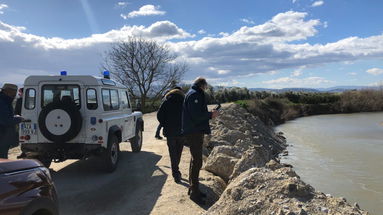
111, 155
136, 141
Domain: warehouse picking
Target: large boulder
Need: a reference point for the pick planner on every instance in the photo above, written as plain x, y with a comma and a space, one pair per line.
222, 160
256, 156
264, 191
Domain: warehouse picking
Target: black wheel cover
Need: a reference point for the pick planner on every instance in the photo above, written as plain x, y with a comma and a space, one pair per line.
75, 118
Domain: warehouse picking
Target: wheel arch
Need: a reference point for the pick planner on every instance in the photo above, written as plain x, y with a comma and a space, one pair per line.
115, 130
140, 123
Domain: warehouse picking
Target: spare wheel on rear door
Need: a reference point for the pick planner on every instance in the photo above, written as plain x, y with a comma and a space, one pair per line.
60, 121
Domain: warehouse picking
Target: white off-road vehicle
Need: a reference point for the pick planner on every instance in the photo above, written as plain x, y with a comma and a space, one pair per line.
74, 117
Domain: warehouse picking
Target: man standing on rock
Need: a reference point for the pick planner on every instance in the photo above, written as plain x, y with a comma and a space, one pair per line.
170, 117
195, 123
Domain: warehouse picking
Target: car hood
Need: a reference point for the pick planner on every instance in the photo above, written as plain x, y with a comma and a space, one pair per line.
7, 166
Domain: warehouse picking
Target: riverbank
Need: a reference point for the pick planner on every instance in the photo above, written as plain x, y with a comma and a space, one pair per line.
339, 154
244, 153
279, 108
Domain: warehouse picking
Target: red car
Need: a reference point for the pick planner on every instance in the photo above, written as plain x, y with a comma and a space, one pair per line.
26, 188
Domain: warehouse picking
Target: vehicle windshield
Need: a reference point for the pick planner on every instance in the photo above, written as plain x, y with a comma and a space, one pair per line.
53, 93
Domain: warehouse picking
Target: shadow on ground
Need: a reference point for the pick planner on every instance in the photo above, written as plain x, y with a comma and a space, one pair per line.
84, 188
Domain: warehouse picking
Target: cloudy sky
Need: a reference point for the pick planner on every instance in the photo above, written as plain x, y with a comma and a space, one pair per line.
273, 43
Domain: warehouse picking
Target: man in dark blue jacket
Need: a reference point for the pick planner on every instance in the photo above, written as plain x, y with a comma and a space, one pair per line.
195, 124
170, 117
8, 120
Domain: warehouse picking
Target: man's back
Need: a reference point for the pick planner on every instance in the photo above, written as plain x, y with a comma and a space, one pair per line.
170, 113
195, 116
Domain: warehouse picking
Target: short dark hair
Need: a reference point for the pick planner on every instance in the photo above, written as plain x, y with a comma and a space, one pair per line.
177, 87
200, 81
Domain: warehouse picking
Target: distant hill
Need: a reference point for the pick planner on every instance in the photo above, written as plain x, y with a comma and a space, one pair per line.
330, 89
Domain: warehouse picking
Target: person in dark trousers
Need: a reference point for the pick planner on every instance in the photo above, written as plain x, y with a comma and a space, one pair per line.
170, 117
158, 136
8, 120
19, 102
195, 124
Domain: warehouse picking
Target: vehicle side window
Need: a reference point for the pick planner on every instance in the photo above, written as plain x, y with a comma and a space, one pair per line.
114, 100
106, 99
91, 99
30, 99
110, 99
124, 100
126, 94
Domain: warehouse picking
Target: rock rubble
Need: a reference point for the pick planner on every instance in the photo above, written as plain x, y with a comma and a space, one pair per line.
243, 175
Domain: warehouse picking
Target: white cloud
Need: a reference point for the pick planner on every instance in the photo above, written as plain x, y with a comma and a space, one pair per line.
202, 31
296, 82
353, 73
294, 1
223, 34
325, 24
288, 26
219, 71
273, 72
122, 4
247, 21
29, 54
3, 6
297, 72
267, 47
275, 45
146, 10
163, 30
317, 4
375, 71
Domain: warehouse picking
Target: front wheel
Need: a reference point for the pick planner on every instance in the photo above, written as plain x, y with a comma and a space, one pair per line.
111, 155
136, 141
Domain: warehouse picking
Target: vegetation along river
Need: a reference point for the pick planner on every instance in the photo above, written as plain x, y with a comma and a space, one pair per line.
340, 154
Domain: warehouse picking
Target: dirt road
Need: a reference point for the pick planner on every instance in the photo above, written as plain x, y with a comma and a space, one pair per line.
142, 183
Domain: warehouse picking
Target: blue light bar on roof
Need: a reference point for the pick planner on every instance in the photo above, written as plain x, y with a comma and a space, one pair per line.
106, 74
63, 73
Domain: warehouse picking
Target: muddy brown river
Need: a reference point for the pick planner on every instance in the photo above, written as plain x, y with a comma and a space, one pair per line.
340, 154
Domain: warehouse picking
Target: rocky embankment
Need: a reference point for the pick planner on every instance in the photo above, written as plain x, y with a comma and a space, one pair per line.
242, 173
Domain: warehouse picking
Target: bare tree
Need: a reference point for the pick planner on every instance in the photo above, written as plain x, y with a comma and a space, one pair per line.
146, 67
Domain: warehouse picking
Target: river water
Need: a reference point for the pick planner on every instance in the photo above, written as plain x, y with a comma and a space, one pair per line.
340, 154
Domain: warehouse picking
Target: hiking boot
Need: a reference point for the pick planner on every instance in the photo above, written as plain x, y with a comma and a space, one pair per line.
177, 178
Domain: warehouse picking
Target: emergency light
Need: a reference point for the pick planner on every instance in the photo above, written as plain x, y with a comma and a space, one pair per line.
106, 74
63, 73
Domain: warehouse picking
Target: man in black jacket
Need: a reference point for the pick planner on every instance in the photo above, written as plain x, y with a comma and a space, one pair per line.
8, 120
195, 123
170, 117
